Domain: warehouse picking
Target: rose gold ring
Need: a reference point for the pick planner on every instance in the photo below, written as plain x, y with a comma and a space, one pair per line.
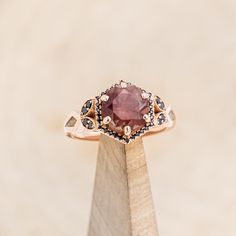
124, 112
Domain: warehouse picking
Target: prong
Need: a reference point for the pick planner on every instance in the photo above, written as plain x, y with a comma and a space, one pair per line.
152, 97
127, 130
145, 95
106, 120
147, 118
104, 98
123, 84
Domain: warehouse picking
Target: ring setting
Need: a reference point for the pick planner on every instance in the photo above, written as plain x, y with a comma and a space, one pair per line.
124, 112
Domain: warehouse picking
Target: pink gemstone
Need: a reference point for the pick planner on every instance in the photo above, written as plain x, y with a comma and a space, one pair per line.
126, 107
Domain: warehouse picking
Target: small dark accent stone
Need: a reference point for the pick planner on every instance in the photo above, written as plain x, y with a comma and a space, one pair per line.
84, 110
86, 107
87, 123
90, 125
89, 104
161, 119
84, 122
160, 103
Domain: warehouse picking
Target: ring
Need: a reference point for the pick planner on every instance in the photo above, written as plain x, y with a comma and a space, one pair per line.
123, 112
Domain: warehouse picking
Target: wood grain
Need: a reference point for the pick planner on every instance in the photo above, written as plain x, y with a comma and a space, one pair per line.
122, 201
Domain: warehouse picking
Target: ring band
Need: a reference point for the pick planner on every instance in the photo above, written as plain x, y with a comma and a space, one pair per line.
124, 112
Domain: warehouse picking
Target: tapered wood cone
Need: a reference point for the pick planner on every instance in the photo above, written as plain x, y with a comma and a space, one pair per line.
122, 200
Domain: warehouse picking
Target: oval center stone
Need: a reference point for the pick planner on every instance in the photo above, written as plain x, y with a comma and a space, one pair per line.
126, 107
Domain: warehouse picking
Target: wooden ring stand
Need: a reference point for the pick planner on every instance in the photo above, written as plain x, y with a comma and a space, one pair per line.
122, 200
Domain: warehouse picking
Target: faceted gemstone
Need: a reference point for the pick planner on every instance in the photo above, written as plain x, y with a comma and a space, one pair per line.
84, 110
87, 123
88, 104
161, 119
126, 107
160, 103
86, 107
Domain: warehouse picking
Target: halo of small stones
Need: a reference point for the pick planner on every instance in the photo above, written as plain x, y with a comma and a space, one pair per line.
87, 121
115, 135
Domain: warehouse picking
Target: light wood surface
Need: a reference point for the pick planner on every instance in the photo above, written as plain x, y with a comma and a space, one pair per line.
122, 199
